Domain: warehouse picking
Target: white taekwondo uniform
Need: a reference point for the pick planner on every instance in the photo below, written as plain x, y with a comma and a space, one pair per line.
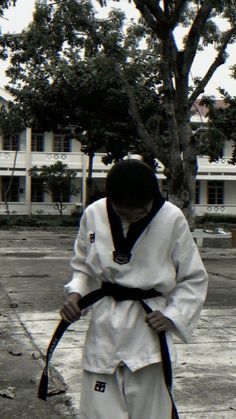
164, 257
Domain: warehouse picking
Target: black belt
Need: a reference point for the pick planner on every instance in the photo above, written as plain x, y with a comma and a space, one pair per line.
119, 293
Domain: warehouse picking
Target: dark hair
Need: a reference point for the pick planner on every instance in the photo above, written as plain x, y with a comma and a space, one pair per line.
131, 183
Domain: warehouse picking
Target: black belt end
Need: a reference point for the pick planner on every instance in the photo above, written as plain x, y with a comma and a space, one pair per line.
43, 387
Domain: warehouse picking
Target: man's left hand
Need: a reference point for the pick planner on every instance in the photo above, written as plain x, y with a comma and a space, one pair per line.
158, 322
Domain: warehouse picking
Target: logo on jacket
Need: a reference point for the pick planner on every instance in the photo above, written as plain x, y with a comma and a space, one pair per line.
121, 258
92, 237
100, 386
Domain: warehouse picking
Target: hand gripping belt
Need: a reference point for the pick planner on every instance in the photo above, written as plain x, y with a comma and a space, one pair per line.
119, 293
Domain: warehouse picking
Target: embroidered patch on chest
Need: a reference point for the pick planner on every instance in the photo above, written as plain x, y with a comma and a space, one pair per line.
92, 237
121, 258
100, 386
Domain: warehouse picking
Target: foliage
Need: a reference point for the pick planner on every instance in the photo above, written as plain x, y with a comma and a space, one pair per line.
56, 179
5, 4
64, 73
11, 124
11, 120
222, 119
212, 220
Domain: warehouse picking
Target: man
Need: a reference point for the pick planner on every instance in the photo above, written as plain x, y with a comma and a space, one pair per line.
133, 239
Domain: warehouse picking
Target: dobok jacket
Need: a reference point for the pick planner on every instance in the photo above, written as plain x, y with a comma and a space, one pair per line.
164, 257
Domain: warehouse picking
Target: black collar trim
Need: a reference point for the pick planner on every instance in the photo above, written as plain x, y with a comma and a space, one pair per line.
123, 245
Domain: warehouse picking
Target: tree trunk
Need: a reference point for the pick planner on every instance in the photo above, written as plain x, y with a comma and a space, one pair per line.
180, 169
188, 149
59, 207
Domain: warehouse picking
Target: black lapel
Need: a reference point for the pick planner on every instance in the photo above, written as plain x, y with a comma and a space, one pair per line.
123, 245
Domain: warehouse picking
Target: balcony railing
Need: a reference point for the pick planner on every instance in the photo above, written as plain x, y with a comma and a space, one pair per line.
7, 159
73, 160
49, 208
221, 165
78, 161
216, 209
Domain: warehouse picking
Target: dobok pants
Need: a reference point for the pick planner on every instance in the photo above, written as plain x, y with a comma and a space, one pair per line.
125, 395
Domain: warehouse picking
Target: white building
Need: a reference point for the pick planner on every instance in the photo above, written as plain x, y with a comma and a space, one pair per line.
215, 192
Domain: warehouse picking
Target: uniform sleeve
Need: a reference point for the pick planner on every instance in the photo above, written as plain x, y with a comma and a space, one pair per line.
185, 301
81, 282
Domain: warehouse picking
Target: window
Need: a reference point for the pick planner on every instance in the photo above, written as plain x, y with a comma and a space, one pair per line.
11, 144
13, 191
37, 192
197, 192
37, 142
61, 143
215, 192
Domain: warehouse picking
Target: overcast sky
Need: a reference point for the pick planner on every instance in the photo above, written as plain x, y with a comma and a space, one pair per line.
18, 18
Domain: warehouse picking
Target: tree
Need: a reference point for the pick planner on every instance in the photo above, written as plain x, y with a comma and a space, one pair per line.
11, 124
163, 18
5, 4
67, 75
57, 180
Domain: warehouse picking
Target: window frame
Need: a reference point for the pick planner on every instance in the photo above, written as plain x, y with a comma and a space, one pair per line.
37, 190
215, 192
37, 141
61, 143
14, 191
12, 143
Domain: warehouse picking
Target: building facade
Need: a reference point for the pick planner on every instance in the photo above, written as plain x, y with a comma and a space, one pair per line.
215, 189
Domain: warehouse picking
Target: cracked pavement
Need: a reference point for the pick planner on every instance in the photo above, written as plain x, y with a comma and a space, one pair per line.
35, 264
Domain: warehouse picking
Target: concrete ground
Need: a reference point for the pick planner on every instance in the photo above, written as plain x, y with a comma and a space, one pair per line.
34, 268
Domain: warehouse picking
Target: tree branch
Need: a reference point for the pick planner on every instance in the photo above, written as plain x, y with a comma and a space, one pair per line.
195, 34
175, 17
156, 20
219, 60
152, 15
155, 9
160, 21
150, 147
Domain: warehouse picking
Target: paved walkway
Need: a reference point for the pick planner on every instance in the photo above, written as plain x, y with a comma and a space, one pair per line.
34, 267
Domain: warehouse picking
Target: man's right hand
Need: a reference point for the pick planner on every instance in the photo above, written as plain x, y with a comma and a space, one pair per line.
70, 311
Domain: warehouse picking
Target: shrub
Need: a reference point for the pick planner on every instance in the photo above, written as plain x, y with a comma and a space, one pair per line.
215, 219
